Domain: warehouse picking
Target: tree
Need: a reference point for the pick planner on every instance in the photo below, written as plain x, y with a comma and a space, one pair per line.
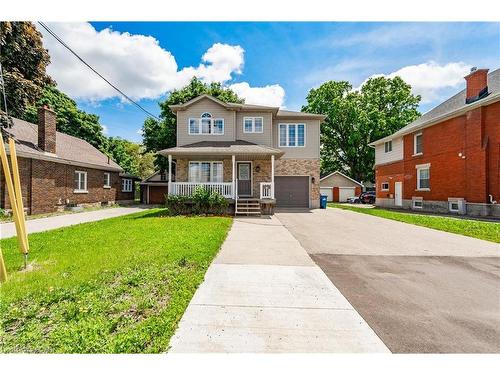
131, 157
357, 118
158, 135
70, 119
24, 62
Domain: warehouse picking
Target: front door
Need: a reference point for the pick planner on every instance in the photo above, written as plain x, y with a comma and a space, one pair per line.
244, 179
398, 194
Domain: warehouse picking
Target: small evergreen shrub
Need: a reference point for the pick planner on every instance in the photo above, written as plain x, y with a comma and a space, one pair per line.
201, 202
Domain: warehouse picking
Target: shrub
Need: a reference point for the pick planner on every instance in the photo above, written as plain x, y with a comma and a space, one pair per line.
202, 201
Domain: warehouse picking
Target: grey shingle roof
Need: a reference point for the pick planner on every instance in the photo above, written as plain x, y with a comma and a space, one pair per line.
69, 149
238, 147
453, 104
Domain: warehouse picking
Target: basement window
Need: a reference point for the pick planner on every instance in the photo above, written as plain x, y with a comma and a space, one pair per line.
417, 203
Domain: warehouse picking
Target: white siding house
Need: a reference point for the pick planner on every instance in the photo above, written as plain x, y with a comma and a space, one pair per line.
389, 151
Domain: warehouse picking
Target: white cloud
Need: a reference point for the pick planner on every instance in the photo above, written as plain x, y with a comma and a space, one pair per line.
272, 95
104, 129
429, 79
140, 132
136, 64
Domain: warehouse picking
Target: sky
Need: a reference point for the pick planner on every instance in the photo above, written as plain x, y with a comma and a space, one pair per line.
265, 63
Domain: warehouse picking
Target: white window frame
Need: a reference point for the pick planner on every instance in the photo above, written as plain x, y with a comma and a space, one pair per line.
417, 199
382, 186
390, 146
450, 205
253, 124
212, 162
415, 153
78, 189
127, 185
107, 180
287, 141
210, 128
419, 167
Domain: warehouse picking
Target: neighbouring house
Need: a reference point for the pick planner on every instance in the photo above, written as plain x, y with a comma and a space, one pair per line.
338, 187
258, 157
154, 189
58, 170
448, 160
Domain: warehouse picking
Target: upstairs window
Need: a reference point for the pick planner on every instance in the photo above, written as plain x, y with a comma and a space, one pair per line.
417, 144
253, 125
206, 124
292, 135
388, 146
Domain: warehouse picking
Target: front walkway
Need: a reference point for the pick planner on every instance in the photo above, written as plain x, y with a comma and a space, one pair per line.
53, 222
263, 293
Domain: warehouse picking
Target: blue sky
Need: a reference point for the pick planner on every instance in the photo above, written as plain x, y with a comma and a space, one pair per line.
275, 63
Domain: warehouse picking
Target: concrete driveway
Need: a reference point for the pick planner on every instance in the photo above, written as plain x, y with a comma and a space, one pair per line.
421, 290
53, 222
264, 294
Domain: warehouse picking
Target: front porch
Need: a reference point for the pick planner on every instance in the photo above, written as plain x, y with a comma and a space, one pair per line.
237, 171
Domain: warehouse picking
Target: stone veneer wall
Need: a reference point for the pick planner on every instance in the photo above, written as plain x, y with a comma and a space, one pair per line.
301, 167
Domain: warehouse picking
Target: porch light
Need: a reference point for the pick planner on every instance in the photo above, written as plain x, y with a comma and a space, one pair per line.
257, 169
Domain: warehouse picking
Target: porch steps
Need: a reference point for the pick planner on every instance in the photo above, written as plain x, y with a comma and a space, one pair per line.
247, 206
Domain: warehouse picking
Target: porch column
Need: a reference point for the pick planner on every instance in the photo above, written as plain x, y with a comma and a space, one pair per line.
233, 159
272, 176
169, 174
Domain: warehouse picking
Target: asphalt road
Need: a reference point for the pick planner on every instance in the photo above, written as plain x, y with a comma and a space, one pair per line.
440, 297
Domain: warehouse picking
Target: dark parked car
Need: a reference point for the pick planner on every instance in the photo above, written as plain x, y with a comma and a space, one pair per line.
367, 197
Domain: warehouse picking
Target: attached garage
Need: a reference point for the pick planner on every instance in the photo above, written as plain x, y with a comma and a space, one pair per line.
291, 191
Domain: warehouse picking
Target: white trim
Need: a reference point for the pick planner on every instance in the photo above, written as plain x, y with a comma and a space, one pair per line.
108, 185
125, 188
85, 180
251, 176
212, 121
287, 134
385, 143
420, 167
340, 173
253, 124
382, 184
211, 162
417, 199
415, 153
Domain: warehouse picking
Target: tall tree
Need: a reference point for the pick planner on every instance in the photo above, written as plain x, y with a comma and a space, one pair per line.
131, 157
24, 62
70, 119
158, 135
356, 118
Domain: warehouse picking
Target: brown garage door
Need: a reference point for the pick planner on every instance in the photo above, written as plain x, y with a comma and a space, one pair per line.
157, 194
291, 191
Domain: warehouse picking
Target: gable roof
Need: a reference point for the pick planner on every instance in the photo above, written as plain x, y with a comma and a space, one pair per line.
343, 175
246, 107
450, 108
69, 149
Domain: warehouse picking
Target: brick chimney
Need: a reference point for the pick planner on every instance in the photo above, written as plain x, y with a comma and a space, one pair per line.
477, 85
47, 129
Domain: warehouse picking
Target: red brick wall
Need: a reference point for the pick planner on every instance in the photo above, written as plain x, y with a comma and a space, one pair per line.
46, 184
125, 196
476, 81
472, 177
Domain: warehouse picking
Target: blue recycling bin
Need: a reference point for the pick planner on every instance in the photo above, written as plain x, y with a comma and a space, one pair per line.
322, 201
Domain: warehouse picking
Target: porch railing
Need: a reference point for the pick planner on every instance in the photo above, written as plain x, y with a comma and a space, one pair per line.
266, 190
187, 188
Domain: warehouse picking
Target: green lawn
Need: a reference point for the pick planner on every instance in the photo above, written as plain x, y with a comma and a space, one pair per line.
115, 286
484, 230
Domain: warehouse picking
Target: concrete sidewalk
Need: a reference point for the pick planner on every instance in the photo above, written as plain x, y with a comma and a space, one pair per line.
263, 293
47, 223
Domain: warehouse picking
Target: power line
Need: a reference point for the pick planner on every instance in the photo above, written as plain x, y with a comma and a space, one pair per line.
95, 71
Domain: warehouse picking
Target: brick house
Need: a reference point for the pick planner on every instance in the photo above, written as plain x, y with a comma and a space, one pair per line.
448, 159
58, 170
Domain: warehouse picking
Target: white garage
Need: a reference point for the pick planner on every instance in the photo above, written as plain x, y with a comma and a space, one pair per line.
328, 191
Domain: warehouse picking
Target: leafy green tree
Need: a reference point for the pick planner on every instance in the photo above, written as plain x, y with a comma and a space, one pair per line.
158, 135
131, 157
24, 62
356, 118
70, 119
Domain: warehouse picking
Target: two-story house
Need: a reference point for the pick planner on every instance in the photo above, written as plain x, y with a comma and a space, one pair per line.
448, 160
256, 156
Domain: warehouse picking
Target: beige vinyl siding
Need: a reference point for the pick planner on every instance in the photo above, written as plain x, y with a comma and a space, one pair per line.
382, 157
264, 138
311, 148
337, 180
195, 111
